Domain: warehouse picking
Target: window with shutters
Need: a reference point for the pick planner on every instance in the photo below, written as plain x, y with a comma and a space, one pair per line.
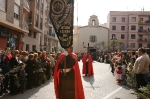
132, 45
133, 19
140, 45
37, 4
123, 19
113, 27
16, 11
133, 27
3, 5
122, 36
41, 25
122, 28
33, 47
133, 36
36, 20
114, 19
93, 38
27, 47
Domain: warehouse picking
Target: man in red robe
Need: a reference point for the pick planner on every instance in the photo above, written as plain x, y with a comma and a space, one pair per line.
67, 79
87, 65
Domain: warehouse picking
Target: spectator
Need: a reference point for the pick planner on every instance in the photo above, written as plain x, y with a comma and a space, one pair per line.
22, 76
141, 67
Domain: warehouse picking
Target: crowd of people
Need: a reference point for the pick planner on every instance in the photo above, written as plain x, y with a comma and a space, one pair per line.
131, 68
20, 70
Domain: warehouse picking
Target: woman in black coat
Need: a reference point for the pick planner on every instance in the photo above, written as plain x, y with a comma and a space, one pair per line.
13, 77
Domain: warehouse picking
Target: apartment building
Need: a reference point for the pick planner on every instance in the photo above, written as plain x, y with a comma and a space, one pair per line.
35, 24
12, 23
49, 41
131, 27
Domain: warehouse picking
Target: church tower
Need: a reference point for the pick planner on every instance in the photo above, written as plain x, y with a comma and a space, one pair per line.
93, 21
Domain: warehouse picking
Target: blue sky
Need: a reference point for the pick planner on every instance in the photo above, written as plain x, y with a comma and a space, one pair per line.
101, 8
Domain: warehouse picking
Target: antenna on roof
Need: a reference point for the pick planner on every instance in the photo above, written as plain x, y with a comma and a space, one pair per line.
143, 8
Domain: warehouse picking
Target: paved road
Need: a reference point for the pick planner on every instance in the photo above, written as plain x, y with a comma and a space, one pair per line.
101, 86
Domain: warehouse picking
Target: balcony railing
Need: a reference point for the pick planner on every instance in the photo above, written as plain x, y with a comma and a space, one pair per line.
144, 22
144, 30
26, 4
25, 25
147, 21
49, 33
143, 39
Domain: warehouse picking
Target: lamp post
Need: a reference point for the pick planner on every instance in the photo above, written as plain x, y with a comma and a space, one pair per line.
86, 47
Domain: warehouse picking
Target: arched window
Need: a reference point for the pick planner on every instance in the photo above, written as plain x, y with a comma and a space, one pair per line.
93, 22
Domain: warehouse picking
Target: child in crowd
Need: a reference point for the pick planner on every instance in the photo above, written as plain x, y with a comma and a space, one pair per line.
22, 75
1, 82
118, 74
123, 67
115, 67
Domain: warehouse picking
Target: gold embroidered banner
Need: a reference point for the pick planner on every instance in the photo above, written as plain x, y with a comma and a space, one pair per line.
61, 15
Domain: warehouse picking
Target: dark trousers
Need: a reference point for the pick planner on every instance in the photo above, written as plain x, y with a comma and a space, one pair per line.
48, 73
6, 80
29, 81
22, 84
1, 88
112, 68
35, 79
140, 80
86, 68
13, 88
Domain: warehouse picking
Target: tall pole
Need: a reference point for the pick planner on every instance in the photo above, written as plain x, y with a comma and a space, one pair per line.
113, 44
77, 28
88, 48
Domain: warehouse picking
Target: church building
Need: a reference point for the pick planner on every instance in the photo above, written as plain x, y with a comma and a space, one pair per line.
88, 36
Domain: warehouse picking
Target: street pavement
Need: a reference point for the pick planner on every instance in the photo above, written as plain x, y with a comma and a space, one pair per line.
102, 85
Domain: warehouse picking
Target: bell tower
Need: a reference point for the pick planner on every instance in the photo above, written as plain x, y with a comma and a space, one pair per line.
93, 21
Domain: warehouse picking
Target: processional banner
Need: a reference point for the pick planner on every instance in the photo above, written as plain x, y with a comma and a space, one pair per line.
61, 16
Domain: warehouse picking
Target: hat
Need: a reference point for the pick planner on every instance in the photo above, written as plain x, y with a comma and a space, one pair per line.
7, 51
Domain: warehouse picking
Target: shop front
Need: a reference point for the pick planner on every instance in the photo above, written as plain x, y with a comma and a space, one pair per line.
10, 38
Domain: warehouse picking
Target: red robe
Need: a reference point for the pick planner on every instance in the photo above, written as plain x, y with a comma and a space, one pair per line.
79, 93
90, 66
